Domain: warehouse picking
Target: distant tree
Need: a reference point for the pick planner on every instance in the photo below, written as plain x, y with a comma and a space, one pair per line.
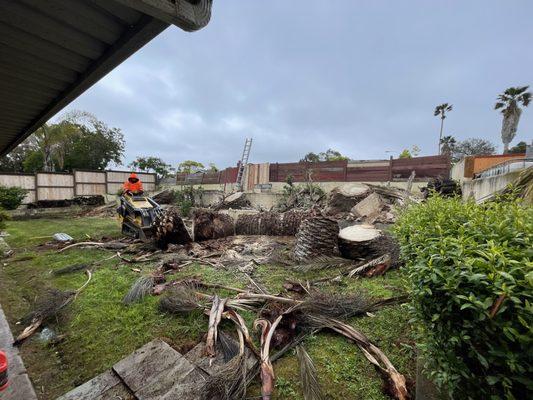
520, 147
509, 102
212, 167
14, 160
33, 162
95, 148
332, 155
152, 164
447, 145
472, 147
311, 157
410, 153
190, 167
328, 155
441, 111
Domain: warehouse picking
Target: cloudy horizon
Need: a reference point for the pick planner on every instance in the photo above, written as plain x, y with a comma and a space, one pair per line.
359, 77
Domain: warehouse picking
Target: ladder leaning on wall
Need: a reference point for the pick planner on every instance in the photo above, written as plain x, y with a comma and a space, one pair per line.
243, 162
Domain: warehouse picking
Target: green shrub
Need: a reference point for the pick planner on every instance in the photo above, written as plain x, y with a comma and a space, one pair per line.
3, 218
187, 198
471, 273
11, 197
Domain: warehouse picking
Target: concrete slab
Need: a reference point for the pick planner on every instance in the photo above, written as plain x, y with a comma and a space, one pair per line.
105, 386
154, 369
20, 387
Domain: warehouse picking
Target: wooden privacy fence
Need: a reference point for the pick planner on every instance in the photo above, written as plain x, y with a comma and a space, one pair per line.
64, 185
328, 171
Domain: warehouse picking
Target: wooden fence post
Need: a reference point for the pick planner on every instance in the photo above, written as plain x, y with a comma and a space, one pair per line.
390, 169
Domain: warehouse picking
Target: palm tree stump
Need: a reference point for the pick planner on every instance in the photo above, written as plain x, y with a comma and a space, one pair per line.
317, 236
343, 198
363, 241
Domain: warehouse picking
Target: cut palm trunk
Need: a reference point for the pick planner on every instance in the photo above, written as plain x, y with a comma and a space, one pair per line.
291, 221
317, 236
170, 229
264, 223
362, 241
267, 371
209, 225
343, 198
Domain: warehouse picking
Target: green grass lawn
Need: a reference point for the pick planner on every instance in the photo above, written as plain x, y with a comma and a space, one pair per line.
99, 330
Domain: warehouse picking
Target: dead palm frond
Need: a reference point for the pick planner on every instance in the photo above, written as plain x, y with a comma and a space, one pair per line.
181, 299
142, 287
229, 382
323, 262
308, 376
228, 347
335, 305
47, 307
395, 381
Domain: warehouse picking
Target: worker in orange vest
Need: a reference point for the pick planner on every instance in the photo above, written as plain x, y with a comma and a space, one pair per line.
133, 185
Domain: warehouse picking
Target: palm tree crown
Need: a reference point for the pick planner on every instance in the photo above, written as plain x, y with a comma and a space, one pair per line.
442, 110
513, 97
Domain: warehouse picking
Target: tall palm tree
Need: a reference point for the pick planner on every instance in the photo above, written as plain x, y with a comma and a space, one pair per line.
510, 102
441, 111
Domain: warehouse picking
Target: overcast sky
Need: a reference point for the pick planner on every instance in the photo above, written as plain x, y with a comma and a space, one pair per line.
361, 77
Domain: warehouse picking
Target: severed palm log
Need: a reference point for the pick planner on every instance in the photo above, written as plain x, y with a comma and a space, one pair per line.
215, 315
395, 381
49, 306
308, 376
267, 371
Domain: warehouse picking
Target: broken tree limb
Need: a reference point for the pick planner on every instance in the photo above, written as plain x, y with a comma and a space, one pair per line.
385, 259
267, 371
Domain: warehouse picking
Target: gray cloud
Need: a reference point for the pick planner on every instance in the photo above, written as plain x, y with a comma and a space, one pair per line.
299, 76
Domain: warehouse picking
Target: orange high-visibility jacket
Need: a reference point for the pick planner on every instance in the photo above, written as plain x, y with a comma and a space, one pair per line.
133, 184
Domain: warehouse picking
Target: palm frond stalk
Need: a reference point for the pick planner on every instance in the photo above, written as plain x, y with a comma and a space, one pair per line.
395, 381
267, 371
215, 315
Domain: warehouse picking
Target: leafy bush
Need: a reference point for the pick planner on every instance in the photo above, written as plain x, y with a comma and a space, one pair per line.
187, 198
3, 218
471, 273
11, 197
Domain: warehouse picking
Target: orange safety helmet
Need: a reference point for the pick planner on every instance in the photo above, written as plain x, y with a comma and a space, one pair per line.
133, 178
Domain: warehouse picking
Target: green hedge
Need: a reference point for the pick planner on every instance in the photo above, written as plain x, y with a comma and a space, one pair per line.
471, 273
11, 197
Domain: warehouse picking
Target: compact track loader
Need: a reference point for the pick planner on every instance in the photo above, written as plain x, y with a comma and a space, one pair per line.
142, 218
